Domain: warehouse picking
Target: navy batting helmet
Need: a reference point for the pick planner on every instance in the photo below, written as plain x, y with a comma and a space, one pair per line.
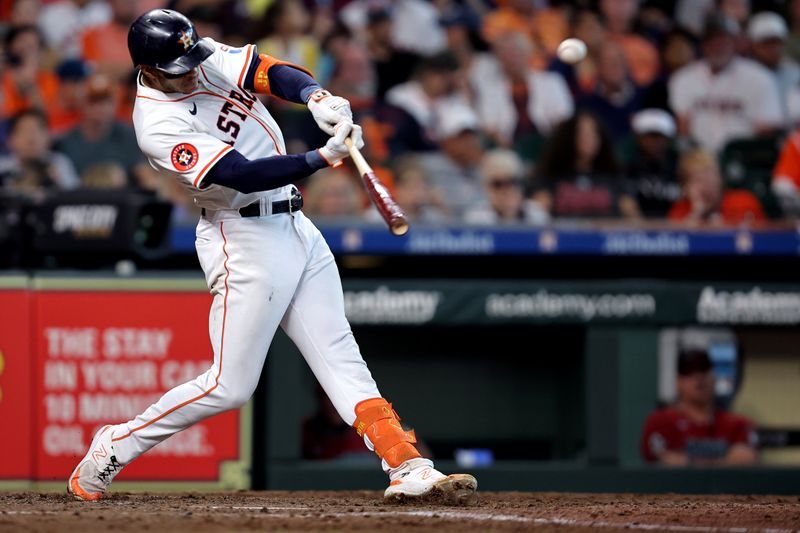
168, 41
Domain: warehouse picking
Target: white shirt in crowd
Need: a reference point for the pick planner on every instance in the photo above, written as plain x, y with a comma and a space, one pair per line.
62, 23
549, 99
733, 103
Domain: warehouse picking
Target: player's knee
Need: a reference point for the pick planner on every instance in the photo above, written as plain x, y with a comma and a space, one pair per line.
229, 399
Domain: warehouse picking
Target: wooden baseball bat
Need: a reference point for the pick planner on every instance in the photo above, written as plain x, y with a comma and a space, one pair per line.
378, 193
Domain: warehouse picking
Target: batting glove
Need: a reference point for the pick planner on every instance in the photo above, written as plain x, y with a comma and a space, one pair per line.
335, 149
329, 110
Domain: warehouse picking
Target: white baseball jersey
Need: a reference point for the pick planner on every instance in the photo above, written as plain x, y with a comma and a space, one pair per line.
186, 134
726, 105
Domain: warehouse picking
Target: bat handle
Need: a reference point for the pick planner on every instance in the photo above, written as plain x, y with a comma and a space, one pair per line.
355, 155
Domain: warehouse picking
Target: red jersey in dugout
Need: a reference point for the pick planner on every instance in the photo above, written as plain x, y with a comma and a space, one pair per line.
668, 429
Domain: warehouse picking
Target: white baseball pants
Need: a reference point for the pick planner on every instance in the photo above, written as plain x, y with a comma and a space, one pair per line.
263, 272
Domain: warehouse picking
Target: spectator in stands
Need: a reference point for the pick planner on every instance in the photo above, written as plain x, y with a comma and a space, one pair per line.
105, 46
692, 14
65, 114
462, 27
579, 175
793, 40
420, 100
704, 198
413, 191
354, 75
786, 176
415, 27
544, 27
736, 10
513, 100
615, 97
502, 172
724, 96
392, 66
678, 49
331, 193
768, 32
26, 83
693, 431
581, 77
453, 170
652, 171
642, 56
63, 22
100, 138
31, 167
24, 12
284, 30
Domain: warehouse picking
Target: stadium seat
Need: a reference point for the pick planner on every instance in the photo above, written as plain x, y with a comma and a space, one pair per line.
748, 163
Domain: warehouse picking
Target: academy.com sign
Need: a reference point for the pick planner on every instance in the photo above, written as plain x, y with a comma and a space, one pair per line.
586, 307
385, 306
754, 306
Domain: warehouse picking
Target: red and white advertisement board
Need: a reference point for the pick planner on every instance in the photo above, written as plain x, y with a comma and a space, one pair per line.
16, 367
102, 358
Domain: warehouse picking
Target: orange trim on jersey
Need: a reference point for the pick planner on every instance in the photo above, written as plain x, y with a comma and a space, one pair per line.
246, 65
244, 109
221, 347
210, 163
261, 79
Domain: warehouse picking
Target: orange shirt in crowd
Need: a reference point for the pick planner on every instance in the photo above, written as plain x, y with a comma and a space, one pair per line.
788, 167
13, 102
736, 207
106, 46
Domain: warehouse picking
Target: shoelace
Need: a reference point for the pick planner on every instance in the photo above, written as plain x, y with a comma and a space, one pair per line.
110, 469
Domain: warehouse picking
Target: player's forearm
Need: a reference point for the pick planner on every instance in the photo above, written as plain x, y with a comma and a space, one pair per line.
239, 173
291, 84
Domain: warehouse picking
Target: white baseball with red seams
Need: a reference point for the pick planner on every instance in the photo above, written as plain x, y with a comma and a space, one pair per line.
263, 272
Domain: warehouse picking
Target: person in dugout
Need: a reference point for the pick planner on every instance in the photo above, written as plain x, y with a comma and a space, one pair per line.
694, 431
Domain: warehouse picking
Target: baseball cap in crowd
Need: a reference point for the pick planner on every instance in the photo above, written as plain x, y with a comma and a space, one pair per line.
653, 120
717, 24
455, 118
72, 70
692, 361
767, 25
99, 87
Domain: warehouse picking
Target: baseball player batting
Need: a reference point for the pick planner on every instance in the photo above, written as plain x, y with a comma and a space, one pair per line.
265, 263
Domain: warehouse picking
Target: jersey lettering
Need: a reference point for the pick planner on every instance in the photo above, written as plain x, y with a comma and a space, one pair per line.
228, 126
239, 97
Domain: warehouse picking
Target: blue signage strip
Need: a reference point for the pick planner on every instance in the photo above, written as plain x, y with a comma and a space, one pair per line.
361, 240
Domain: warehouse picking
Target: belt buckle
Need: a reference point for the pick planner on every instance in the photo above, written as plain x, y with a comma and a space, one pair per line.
295, 196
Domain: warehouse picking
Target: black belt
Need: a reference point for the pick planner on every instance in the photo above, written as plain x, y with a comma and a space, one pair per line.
281, 206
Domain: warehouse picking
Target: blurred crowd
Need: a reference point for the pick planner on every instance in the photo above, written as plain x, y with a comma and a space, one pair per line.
682, 109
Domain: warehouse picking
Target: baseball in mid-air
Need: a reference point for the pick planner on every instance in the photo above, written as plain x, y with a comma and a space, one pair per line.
571, 50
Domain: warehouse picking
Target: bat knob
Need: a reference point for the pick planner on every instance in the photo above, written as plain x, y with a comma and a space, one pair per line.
399, 226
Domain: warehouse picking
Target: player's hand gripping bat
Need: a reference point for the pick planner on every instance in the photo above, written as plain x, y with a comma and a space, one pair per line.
378, 193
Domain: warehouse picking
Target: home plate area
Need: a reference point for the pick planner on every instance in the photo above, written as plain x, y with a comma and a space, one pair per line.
198, 512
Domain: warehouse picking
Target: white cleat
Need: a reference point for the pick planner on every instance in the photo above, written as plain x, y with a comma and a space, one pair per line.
416, 479
97, 469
